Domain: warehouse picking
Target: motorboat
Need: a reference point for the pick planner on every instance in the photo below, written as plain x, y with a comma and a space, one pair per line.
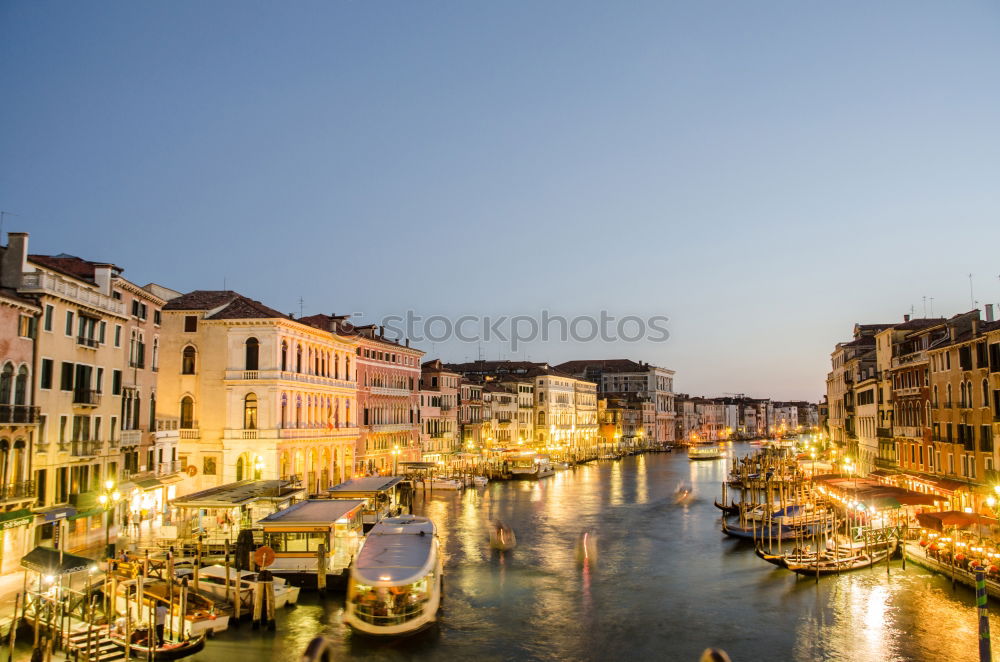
394, 588
683, 494
212, 580
704, 452
531, 466
445, 484
480, 481
502, 537
201, 615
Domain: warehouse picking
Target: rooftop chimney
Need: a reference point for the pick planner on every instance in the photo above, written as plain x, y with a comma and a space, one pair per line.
102, 276
989, 312
15, 259
952, 332
975, 326
906, 318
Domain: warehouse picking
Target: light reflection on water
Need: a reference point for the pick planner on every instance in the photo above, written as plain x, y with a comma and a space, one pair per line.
665, 585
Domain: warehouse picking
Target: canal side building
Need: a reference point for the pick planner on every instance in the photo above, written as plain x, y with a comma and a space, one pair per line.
19, 318
248, 392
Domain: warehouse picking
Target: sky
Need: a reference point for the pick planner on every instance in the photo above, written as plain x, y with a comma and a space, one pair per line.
762, 174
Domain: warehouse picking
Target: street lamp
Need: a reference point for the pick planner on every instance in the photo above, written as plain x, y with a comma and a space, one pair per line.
108, 499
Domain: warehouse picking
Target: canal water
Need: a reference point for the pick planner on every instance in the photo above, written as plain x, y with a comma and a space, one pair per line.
664, 585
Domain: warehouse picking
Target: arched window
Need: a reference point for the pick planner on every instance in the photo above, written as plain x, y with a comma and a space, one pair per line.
252, 354
6, 379
298, 359
188, 360
986, 393
541, 418
347, 368
936, 402
21, 386
284, 356
948, 393
239, 469
298, 411
284, 410
156, 354
187, 412
250, 412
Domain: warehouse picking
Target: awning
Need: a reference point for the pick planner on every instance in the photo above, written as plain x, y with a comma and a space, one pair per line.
148, 483
59, 512
956, 518
46, 561
171, 479
14, 518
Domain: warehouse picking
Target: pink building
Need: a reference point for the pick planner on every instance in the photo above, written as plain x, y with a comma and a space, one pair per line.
388, 374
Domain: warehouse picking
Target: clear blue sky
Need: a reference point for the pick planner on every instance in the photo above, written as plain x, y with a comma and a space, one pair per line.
764, 173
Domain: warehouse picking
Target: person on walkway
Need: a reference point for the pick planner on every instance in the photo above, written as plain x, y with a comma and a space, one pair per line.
161, 621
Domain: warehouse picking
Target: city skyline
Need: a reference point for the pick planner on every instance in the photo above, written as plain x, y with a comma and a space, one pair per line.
764, 178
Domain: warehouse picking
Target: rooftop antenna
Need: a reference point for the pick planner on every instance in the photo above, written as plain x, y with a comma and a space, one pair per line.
224, 288
932, 306
971, 297
925, 306
911, 310
301, 302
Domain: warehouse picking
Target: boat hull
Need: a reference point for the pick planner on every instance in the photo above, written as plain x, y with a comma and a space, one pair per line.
183, 649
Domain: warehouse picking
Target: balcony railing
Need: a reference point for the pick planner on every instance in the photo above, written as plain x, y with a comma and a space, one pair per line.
14, 491
85, 341
84, 448
165, 468
43, 282
87, 397
252, 375
906, 359
883, 432
18, 414
130, 438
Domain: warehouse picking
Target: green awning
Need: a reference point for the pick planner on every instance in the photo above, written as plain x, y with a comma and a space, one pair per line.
14, 518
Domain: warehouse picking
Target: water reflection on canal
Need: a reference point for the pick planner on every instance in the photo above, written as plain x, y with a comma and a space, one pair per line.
665, 585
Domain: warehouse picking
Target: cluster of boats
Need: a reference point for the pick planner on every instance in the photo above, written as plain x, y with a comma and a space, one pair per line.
777, 507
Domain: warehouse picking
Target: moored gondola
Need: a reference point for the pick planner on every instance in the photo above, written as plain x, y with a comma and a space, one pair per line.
169, 650
733, 509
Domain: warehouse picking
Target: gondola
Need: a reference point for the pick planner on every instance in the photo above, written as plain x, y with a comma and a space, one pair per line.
728, 510
773, 532
170, 650
834, 566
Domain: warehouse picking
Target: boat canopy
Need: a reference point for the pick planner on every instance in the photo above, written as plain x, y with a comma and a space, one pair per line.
398, 550
240, 493
314, 512
368, 486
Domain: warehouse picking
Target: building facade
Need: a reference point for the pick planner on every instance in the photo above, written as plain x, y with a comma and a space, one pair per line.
246, 392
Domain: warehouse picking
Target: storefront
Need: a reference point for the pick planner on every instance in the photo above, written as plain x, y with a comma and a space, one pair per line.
15, 538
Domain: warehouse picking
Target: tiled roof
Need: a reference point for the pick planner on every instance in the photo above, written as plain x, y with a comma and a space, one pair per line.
201, 300
232, 304
244, 308
919, 323
602, 365
70, 265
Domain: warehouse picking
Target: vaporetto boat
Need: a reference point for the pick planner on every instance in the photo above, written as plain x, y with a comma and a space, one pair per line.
704, 452
395, 584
